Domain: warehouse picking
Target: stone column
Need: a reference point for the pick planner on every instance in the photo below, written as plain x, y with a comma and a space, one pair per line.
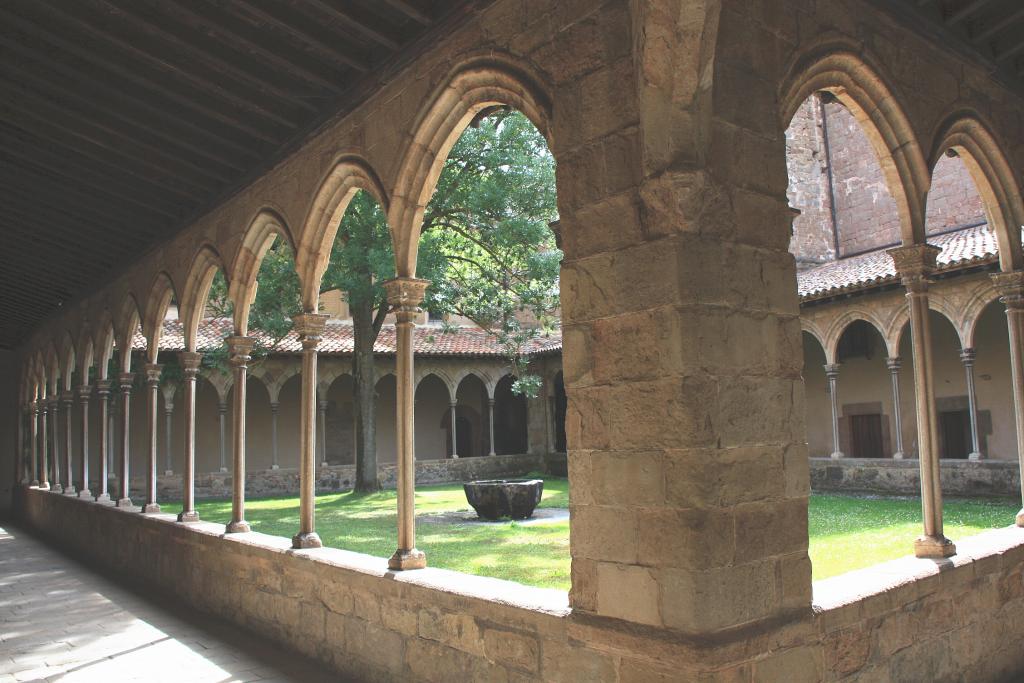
310, 328
168, 415
44, 465
454, 405
67, 402
103, 392
222, 411
322, 428
35, 443
915, 263
967, 357
832, 373
404, 296
153, 371
239, 349
894, 365
189, 361
125, 379
273, 434
1011, 293
112, 426
490, 419
53, 407
84, 394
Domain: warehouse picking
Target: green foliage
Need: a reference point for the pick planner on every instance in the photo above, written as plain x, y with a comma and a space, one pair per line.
362, 256
278, 298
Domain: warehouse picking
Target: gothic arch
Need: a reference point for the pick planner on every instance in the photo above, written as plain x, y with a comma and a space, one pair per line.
842, 323
67, 359
980, 299
471, 88
126, 322
349, 174
197, 287
814, 331
265, 227
839, 70
441, 375
981, 152
161, 291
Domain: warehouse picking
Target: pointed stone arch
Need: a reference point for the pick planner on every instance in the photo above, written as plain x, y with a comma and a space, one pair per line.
994, 178
68, 358
470, 88
126, 322
845, 73
811, 328
205, 265
838, 326
983, 297
103, 337
161, 292
267, 226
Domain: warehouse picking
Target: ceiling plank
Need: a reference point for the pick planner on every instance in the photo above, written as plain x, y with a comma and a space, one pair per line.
409, 10
362, 26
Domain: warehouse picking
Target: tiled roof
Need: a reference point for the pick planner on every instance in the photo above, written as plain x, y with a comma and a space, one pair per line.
962, 248
431, 340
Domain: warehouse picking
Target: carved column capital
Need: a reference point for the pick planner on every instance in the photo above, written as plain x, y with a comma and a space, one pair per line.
153, 372
222, 408
967, 356
1011, 288
67, 399
125, 381
240, 350
103, 387
405, 295
915, 263
190, 361
831, 370
310, 328
84, 392
894, 364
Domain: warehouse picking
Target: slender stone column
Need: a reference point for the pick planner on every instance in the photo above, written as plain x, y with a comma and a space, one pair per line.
915, 263
53, 406
404, 296
103, 392
84, 394
112, 426
1011, 293
273, 434
239, 349
832, 373
153, 371
189, 361
967, 357
490, 417
67, 402
35, 443
168, 415
322, 427
44, 465
222, 411
454, 405
310, 328
894, 365
125, 379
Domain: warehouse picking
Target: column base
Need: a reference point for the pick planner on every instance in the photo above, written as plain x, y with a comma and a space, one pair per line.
310, 539
975, 456
85, 494
403, 560
240, 527
188, 517
898, 455
275, 467
104, 499
150, 508
44, 485
224, 469
69, 491
837, 455
125, 503
1020, 518
56, 487
35, 483
168, 473
934, 547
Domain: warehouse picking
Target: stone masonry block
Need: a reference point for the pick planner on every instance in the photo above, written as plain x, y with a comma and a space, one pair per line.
627, 478
516, 650
602, 532
704, 601
695, 538
628, 592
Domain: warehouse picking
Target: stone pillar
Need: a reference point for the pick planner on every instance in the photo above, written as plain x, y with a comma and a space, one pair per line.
84, 394
273, 434
310, 328
915, 263
404, 296
103, 393
239, 349
153, 371
322, 429
967, 357
832, 373
490, 422
894, 365
189, 361
35, 443
1011, 293
67, 402
222, 411
112, 426
125, 379
168, 417
453, 406
53, 407
44, 464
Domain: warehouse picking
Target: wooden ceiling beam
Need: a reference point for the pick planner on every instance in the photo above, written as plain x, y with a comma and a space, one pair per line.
363, 26
409, 10
999, 26
966, 12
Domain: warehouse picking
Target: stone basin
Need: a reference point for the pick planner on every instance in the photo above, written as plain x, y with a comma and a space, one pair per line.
497, 498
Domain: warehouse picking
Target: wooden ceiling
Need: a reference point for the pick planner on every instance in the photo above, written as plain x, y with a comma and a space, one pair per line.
122, 120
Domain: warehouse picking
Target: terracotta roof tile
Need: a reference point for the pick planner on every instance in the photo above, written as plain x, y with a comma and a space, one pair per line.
959, 249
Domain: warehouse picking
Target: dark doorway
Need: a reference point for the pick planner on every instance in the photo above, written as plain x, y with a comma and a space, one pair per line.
954, 434
463, 436
560, 402
866, 436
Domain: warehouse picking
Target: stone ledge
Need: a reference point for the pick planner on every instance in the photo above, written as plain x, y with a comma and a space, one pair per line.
902, 477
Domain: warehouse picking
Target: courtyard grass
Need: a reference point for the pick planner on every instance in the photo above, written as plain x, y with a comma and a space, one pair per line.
846, 532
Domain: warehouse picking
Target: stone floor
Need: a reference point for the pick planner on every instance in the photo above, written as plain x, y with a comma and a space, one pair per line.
60, 621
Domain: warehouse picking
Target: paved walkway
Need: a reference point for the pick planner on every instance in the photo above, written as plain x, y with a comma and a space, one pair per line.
60, 621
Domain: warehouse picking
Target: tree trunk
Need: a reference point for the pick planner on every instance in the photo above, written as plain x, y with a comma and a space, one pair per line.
363, 402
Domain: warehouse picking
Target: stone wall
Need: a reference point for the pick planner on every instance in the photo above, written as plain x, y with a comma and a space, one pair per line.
876, 475
285, 482
906, 620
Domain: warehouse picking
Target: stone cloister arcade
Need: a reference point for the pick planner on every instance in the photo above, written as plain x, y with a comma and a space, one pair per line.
682, 354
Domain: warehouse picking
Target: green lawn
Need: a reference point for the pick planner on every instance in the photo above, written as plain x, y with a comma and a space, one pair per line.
846, 532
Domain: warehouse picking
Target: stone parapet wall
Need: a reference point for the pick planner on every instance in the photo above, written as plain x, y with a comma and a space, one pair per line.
334, 478
906, 620
903, 477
